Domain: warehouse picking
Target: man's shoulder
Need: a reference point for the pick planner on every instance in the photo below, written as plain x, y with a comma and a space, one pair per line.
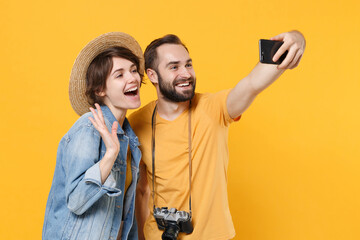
199, 97
142, 115
204, 98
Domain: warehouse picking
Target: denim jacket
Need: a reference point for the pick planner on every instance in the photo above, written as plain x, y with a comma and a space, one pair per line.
79, 206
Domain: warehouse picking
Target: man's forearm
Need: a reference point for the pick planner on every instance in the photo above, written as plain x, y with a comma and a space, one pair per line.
263, 75
244, 93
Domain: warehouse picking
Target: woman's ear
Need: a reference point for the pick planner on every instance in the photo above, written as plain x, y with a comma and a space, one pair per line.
100, 93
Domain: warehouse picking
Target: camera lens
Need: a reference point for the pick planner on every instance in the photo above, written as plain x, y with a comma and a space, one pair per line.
171, 232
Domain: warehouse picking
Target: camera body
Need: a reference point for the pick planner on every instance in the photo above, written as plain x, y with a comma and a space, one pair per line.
173, 222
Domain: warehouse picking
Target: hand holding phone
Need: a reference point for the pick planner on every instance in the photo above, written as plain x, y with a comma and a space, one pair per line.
287, 53
267, 49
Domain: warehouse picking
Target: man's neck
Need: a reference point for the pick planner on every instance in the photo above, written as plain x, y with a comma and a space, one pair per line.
170, 110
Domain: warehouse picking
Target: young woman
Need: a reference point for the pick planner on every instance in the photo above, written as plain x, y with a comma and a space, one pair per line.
93, 190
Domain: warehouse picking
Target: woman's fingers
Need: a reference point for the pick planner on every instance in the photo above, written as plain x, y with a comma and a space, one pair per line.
95, 115
110, 139
114, 129
97, 122
99, 112
94, 123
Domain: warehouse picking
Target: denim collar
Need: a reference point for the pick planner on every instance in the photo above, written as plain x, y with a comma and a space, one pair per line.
124, 129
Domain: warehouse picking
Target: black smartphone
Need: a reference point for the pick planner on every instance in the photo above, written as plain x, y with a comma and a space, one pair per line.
268, 48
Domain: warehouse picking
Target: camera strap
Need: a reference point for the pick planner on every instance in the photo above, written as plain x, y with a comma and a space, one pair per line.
153, 126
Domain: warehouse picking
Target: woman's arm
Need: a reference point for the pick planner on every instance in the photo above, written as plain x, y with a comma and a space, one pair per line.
87, 178
110, 139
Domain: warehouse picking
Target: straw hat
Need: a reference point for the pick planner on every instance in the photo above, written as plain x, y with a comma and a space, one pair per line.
77, 85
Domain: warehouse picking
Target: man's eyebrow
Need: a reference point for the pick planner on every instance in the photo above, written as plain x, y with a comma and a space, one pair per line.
172, 62
177, 62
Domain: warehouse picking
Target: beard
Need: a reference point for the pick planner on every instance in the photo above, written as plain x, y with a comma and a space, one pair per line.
168, 90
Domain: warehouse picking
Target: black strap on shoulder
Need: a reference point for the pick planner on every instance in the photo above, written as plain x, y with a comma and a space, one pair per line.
153, 126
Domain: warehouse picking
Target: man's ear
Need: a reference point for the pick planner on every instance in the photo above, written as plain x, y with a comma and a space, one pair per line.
152, 75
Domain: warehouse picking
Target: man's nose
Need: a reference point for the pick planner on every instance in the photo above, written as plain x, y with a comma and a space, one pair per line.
185, 73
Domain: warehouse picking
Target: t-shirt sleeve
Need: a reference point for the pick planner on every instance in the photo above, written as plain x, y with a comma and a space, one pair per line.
216, 102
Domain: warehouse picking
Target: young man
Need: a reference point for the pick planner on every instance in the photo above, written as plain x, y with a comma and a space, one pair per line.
182, 120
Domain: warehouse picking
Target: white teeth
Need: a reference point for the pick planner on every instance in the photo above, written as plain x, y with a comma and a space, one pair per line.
131, 89
184, 84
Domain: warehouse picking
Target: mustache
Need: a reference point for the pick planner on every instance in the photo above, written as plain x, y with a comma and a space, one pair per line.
190, 79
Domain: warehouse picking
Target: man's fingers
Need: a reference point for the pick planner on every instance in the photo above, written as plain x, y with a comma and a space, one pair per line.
289, 58
297, 61
281, 51
279, 37
293, 43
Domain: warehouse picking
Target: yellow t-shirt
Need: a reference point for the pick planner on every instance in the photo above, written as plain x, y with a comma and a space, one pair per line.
210, 209
128, 178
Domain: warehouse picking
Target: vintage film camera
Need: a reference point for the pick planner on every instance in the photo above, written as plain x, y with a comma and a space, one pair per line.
172, 222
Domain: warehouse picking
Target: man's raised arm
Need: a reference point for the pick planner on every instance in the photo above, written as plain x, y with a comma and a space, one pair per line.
263, 75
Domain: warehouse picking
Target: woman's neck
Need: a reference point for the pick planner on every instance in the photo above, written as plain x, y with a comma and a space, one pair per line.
118, 113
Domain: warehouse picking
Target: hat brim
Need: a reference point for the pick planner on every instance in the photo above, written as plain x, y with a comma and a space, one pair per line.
77, 85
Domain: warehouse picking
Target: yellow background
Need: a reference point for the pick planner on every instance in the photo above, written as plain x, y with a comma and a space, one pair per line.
294, 164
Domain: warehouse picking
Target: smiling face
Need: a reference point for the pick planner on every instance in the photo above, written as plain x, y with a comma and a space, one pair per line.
175, 73
122, 86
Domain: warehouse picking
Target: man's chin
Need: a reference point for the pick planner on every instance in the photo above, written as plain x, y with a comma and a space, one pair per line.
178, 98
186, 97
189, 93
178, 95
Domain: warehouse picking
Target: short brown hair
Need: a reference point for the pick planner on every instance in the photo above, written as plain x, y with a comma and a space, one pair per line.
150, 53
100, 68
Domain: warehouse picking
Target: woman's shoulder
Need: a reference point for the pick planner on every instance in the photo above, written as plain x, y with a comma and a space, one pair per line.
82, 124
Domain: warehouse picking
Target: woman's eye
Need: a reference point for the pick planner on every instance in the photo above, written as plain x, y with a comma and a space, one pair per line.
119, 76
173, 67
134, 71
